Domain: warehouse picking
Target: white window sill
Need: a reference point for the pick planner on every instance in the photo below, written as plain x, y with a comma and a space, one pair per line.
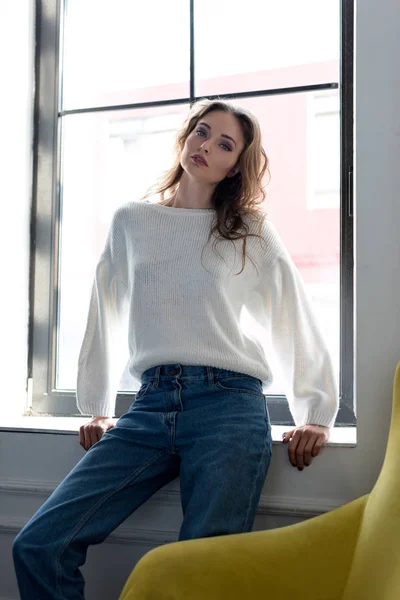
340, 436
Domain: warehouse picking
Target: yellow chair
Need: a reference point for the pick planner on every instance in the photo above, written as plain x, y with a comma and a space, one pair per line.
350, 553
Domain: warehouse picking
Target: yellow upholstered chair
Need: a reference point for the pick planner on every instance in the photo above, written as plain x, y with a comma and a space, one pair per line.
350, 553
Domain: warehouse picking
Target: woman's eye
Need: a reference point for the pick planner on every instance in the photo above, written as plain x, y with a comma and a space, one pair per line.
202, 131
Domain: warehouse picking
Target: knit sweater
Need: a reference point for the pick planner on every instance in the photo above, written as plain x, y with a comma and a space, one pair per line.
161, 295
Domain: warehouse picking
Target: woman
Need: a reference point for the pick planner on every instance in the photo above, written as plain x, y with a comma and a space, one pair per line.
175, 304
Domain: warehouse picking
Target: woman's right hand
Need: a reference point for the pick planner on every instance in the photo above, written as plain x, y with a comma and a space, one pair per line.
92, 432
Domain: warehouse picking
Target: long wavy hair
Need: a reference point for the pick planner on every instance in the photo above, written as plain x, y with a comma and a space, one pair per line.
234, 197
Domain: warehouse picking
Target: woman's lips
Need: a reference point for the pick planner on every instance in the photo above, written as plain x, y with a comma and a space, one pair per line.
198, 161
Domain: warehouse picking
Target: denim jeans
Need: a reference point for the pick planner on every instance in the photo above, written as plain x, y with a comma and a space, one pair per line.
209, 426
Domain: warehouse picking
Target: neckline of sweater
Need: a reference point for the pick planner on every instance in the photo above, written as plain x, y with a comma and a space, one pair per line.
180, 211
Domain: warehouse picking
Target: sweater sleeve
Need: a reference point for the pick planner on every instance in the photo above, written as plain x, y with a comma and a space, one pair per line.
104, 351
300, 351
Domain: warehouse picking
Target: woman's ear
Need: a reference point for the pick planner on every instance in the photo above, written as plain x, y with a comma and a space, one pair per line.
233, 171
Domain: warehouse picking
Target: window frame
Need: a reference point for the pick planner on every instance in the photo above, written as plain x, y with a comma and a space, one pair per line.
47, 200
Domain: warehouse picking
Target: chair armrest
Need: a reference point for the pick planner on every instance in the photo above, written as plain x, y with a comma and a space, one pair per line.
309, 560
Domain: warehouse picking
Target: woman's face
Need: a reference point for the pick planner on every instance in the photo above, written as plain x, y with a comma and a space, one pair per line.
217, 138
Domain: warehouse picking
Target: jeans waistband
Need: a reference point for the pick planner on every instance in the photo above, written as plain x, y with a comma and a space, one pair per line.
167, 372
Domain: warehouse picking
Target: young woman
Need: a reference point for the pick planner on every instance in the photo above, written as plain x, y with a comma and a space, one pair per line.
161, 293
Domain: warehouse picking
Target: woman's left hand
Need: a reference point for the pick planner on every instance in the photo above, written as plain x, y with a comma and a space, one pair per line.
305, 442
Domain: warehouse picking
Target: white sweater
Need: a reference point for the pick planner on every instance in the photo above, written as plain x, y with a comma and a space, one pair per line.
156, 299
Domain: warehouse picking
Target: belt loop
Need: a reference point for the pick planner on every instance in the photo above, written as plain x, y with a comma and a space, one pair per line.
157, 376
210, 375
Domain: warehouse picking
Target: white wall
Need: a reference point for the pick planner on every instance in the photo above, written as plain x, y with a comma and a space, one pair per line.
31, 464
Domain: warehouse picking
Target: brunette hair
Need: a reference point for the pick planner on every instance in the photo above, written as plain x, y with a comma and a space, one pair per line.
234, 197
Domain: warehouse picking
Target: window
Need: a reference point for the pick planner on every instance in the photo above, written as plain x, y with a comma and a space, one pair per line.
107, 114
323, 150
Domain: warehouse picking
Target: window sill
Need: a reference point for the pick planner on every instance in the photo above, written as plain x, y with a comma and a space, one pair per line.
340, 436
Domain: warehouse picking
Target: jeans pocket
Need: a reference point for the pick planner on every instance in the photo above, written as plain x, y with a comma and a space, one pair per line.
242, 385
144, 388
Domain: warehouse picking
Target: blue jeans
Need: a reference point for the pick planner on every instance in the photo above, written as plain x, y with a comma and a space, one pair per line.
208, 425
